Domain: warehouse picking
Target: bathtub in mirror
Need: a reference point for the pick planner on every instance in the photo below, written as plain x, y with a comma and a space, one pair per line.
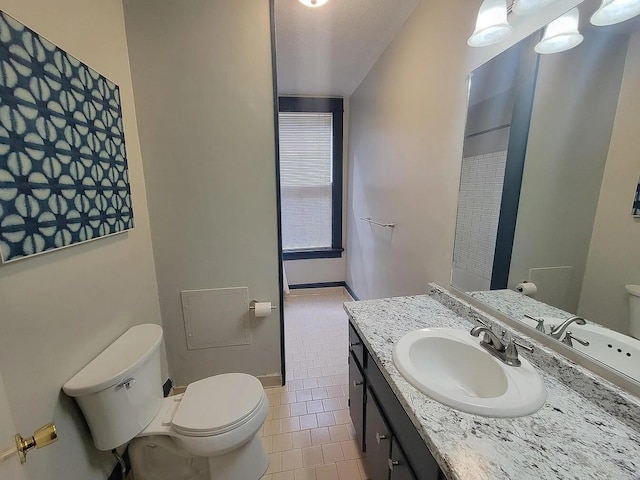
548, 184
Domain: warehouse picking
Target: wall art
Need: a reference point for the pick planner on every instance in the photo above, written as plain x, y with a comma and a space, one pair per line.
63, 165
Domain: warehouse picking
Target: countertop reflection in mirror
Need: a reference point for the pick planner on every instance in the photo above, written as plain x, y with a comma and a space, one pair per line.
550, 166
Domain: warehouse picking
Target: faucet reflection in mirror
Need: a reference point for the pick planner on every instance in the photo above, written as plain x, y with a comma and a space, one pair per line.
554, 210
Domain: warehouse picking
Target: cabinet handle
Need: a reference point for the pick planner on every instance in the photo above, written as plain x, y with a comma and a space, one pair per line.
356, 383
393, 463
379, 438
353, 344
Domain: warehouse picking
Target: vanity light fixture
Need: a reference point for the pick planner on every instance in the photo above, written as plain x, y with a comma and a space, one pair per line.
615, 11
562, 34
491, 26
313, 3
525, 7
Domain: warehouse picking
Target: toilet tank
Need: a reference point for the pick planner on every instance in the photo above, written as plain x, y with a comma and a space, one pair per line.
120, 391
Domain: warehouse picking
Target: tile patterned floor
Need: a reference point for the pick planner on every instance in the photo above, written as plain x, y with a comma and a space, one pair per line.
308, 432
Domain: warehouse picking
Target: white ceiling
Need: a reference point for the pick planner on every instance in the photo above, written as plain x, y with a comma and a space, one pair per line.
327, 51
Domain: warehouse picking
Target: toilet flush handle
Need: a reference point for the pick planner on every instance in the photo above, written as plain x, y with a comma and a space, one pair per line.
126, 383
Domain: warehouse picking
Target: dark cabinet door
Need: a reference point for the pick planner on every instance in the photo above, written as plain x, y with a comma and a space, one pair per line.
398, 466
356, 346
377, 442
356, 400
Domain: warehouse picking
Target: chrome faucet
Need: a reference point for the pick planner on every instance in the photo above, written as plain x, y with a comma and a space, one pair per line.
505, 352
557, 331
489, 338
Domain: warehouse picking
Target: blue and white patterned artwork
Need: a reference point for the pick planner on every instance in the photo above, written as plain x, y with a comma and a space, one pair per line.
63, 166
636, 201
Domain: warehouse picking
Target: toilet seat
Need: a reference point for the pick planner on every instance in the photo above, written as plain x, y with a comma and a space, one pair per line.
218, 404
217, 431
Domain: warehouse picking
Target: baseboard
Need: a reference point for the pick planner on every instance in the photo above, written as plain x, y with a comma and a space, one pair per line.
271, 380
351, 292
301, 286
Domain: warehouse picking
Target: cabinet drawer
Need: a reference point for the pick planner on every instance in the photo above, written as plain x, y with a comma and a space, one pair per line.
356, 347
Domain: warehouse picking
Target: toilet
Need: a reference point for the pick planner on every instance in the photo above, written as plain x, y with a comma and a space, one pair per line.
208, 432
634, 309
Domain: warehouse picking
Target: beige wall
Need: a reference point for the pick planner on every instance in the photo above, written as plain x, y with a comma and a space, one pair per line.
613, 258
203, 84
406, 129
405, 148
59, 310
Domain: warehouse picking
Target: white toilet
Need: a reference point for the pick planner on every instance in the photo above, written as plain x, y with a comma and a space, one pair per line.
634, 309
209, 432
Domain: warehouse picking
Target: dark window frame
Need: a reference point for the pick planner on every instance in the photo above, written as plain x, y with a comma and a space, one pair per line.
335, 106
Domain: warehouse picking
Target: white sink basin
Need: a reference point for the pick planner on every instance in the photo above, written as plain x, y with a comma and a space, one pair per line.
451, 367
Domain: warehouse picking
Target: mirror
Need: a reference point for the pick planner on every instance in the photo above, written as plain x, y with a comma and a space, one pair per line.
548, 199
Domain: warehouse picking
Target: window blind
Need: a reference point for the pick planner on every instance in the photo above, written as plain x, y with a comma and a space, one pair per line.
306, 178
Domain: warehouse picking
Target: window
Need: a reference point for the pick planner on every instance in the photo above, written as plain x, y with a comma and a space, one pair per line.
310, 142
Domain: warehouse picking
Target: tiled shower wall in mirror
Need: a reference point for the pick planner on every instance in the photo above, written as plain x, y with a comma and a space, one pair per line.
478, 214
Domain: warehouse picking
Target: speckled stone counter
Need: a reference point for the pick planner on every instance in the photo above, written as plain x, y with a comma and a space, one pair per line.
574, 436
515, 304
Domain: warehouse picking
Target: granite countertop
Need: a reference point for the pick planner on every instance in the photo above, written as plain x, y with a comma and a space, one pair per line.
516, 304
573, 436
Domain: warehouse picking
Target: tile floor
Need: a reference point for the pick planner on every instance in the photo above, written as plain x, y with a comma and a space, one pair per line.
308, 432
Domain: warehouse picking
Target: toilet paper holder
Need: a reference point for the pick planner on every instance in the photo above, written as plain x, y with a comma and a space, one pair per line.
252, 305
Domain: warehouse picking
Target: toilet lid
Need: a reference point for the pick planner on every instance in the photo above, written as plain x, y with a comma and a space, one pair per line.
217, 404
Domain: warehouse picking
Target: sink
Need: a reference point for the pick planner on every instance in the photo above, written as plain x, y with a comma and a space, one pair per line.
450, 366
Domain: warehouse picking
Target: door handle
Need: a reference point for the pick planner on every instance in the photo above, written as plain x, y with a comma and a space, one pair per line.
42, 437
356, 383
379, 438
393, 463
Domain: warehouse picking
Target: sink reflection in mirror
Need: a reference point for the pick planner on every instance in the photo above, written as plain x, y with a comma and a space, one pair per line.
548, 182
450, 366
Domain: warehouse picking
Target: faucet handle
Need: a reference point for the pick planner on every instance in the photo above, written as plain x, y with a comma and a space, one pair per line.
482, 322
528, 348
540, 320
511, 355
511, 352
568, 337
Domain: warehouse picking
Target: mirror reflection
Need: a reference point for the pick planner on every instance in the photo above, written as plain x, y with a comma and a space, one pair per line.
547, 224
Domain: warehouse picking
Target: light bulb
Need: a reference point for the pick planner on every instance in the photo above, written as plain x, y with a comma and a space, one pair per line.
615, 11
562, 34
492, 26
313, 3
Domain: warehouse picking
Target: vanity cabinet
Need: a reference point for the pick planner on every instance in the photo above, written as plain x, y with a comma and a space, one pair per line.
392, 448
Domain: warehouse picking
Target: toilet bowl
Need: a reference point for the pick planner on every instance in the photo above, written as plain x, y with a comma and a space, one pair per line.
205, 423
209, 432
634, 310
